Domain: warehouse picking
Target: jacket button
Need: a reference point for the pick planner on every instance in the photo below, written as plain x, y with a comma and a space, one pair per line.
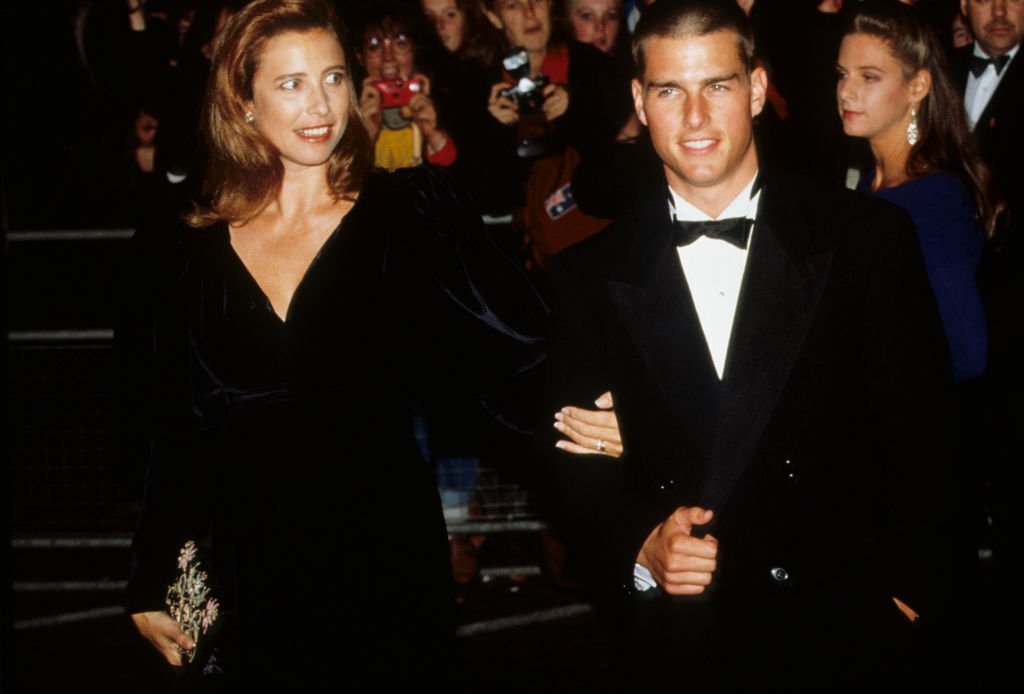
780, 575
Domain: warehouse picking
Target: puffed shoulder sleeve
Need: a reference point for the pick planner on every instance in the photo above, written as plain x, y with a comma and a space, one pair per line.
151, 344
478, 320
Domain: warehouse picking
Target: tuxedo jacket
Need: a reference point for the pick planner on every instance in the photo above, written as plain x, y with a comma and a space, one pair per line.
824, 451
998, 130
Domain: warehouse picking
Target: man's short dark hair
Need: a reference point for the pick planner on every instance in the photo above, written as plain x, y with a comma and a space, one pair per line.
678, 18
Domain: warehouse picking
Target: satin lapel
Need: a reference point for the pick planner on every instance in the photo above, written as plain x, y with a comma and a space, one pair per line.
782, 287
653, 303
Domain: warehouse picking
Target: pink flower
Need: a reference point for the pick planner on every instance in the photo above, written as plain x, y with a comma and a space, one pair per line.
210, 613
187, 554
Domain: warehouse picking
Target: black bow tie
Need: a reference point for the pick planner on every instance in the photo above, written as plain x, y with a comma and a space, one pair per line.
735, 230
979, 64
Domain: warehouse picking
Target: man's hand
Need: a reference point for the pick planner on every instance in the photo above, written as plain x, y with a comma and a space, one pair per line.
164, 633
504, 110
556, 101
590, 431
680, 563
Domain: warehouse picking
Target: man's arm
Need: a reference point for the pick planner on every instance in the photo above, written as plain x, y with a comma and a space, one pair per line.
909, 379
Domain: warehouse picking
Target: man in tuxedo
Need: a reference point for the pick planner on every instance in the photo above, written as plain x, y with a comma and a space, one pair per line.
992, 79
782, 383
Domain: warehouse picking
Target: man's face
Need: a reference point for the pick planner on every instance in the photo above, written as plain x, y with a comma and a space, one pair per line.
996, 24
699, 104
526, 23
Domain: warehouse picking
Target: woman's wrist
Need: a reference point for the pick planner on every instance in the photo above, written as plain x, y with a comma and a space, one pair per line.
436, 142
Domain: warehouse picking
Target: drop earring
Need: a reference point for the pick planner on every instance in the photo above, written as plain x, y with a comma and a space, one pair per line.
912, 132
250, 117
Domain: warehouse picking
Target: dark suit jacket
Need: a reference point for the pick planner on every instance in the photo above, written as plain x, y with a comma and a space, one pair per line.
998, 130
824, 451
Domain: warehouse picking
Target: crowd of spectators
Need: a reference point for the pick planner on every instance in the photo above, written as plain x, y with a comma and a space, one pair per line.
116, 134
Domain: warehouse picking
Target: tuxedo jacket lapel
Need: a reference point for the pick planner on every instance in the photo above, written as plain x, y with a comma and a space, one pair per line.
783, 283
653, 303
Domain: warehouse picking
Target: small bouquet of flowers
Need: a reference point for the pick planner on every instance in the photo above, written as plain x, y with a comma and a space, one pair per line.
191, 602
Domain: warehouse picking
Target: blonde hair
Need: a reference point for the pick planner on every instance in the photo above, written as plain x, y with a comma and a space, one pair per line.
244, 171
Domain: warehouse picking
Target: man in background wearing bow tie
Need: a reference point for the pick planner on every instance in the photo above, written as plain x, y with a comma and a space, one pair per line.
781, 516
992, 78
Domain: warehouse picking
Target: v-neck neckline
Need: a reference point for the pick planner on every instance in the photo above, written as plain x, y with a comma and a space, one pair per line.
251, 279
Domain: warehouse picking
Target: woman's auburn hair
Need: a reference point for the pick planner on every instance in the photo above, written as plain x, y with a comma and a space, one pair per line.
244, 172
945, 141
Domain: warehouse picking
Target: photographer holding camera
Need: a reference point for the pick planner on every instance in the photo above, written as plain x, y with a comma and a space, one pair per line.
557, 100
395, 97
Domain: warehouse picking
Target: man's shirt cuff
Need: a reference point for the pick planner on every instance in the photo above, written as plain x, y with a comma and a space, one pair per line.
642, 578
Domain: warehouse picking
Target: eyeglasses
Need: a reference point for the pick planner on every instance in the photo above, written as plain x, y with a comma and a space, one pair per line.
398, 44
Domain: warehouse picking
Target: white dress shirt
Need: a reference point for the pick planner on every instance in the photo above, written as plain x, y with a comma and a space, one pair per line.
980, 89
714, 272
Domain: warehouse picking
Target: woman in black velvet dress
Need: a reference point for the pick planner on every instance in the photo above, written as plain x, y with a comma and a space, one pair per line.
275, 342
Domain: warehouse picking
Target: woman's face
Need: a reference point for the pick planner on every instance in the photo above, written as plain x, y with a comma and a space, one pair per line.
449, 21
961, 33
525, 23
596, 22
300, 96
874, 96
388, 56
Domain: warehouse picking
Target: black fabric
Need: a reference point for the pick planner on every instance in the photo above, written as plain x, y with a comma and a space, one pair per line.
979, 64
287, 445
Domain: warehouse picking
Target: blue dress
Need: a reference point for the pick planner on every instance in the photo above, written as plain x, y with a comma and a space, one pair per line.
951, 244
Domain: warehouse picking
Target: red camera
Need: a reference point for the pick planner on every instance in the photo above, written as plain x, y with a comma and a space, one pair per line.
398, 92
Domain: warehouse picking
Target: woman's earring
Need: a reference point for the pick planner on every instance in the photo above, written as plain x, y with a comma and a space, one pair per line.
250, 118
912, 133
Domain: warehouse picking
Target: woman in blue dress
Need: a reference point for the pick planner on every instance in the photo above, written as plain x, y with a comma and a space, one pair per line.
894, 90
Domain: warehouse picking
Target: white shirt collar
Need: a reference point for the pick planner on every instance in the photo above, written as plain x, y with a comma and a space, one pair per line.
743, 205
982, 54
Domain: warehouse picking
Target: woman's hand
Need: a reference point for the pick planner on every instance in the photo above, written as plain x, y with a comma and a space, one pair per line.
590, 431
425, 117
369, 104
556, 101
165, 634
504, 110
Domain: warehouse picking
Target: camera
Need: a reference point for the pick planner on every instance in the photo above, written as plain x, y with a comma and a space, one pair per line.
397, 92
527, 90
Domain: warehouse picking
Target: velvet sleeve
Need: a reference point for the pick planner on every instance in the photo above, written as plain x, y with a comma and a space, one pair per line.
152, 346
908, 382
473, 321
